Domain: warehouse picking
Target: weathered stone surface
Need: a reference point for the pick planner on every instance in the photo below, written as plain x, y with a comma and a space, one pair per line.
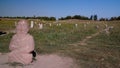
21, 44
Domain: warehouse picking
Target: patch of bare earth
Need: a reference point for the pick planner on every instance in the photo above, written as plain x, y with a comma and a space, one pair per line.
43, 61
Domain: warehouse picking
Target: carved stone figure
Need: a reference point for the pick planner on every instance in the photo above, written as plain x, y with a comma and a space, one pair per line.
21, 44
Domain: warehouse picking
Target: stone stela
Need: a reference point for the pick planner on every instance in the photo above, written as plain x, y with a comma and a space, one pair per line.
31, 24
21, 44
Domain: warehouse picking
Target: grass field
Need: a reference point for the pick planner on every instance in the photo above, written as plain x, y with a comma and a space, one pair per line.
101, 51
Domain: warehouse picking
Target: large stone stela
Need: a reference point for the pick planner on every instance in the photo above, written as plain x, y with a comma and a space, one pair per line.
22, 44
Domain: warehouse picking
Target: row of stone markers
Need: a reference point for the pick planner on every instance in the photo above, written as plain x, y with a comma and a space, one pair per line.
50, 24
32, 23
58, 24
76, 25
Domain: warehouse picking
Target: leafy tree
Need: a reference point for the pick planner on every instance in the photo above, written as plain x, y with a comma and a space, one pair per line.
74, 17
103, 19
113, 18
118, 18
77, 17
62, 18
95, 17
91, 17
69, 17
52, 18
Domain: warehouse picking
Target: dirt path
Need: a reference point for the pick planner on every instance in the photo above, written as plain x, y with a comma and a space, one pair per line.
43, 61
83, 42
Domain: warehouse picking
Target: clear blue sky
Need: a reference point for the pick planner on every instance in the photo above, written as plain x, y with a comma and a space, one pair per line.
60, 8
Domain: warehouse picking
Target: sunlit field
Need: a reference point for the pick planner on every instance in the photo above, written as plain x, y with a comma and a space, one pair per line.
100, 51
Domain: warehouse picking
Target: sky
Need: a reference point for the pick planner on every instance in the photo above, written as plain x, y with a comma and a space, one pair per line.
60, 8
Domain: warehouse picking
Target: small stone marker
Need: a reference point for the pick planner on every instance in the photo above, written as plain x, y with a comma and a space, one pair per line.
97, 27
40, 26
85, 25
50, 24
32, 24
76, 25
59, 24
15, 23
106, 25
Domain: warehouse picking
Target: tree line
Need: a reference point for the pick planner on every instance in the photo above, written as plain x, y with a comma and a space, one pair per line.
92, 17
34, 17
74, 17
